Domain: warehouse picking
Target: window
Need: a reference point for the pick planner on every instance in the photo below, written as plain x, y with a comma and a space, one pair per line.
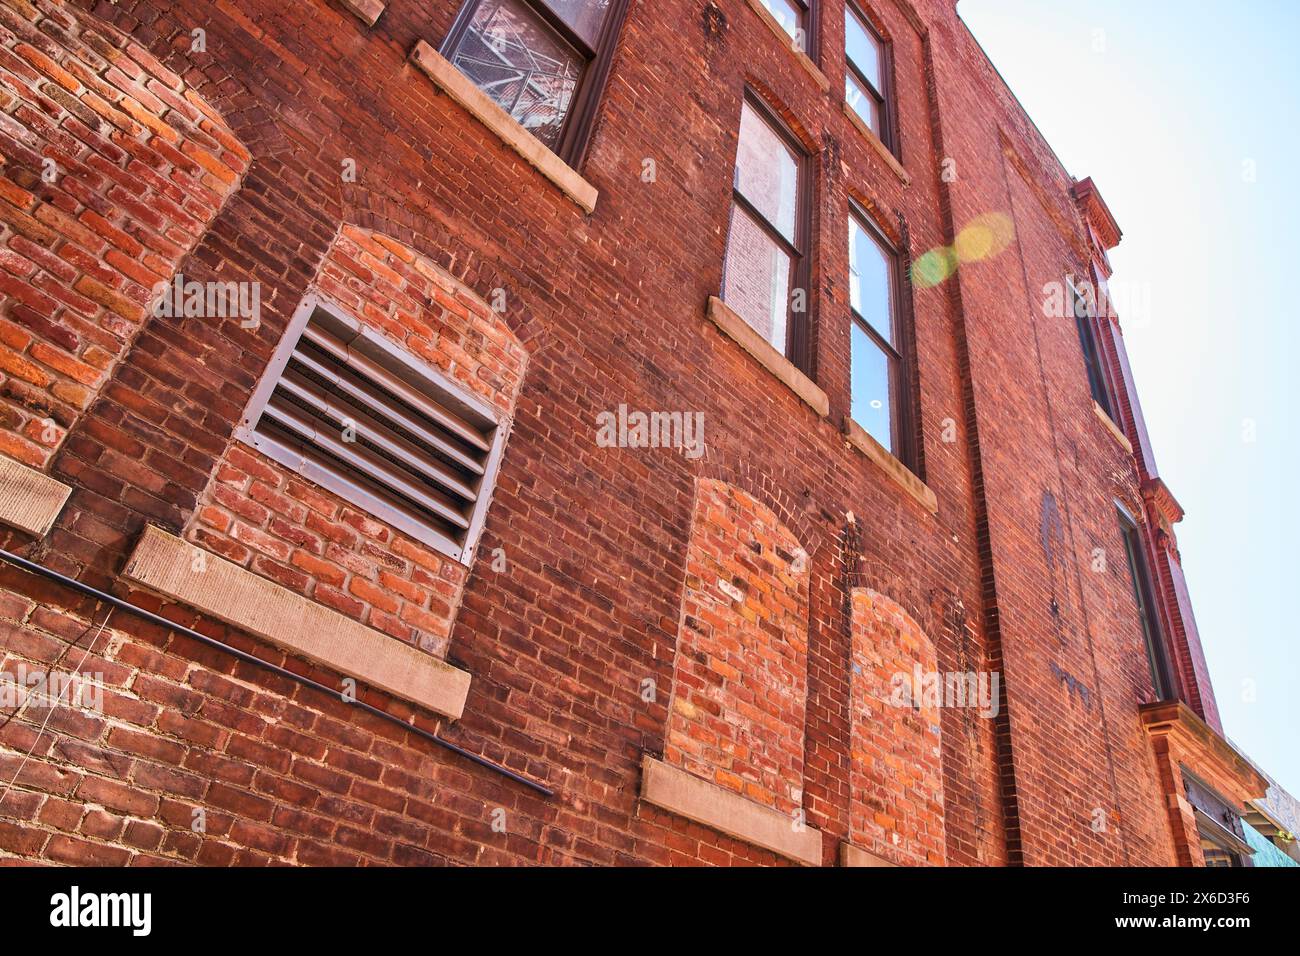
1085, 311
542, 61
765, 276
866, 77
1219, 825
795, 19
350, 411
879, 386
1144, 595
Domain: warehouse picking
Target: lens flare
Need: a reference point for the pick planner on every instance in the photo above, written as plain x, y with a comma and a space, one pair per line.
933, 267
982, 238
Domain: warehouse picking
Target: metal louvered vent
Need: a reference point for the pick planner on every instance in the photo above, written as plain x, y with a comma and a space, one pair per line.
352, 412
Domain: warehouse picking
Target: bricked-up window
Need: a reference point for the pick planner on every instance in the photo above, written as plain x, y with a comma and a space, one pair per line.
879, 383
866, 77
354, 413
765, 276
1144, 595
795, 17
542, 61
1085, 318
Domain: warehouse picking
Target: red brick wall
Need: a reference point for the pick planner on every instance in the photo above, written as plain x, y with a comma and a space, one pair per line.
280, 775
113, 167
740, 675
561, 641
262, 516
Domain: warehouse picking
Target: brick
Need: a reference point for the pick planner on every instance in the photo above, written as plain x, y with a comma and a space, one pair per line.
621, 565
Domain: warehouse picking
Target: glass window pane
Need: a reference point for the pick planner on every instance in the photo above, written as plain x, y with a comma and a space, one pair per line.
586, 17
767, 172
787, 13
862, 49
870, 289
863, 102
757, 278
870, 406
513, 57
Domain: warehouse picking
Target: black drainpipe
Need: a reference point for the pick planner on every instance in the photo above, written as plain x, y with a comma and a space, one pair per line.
86, 589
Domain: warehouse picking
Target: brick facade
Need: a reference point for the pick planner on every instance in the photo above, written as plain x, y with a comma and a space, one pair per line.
762, 592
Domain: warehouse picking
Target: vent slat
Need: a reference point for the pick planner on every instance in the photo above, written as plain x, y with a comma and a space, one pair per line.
362, 460
315, 467
374, 372
375, 432
390, 409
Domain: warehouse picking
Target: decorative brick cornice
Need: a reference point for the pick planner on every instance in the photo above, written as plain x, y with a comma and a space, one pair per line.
1157, 493
1097, 213
1205, 752
1181, 742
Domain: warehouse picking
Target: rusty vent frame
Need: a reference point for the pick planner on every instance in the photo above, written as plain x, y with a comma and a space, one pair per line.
347, 409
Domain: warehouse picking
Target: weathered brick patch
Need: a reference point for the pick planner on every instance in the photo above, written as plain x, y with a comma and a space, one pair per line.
111, 170
897, 775
740, 681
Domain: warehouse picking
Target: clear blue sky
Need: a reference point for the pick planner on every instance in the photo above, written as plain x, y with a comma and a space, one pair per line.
1165, 103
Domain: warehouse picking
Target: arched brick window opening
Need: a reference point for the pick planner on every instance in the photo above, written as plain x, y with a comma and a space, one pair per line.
895, 776
740, 679
266, 517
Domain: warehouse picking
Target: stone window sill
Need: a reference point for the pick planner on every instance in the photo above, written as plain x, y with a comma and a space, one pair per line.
166, 565
367, 11
30, 500
706, 803
804, 60
1115, 431
461, 89
736, 328
857, 436
851, 855
890, 159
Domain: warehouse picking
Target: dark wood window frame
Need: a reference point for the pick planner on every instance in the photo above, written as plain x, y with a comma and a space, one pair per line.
580, 120
1218, 824
888, 133
1145, 596
1091, 342
798, 324
808, 22
901, 355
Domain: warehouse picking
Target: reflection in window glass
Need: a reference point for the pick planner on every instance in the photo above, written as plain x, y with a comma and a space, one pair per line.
512, 56
862, 49
585, 16
756, 283
870, 406
787, 13
767, 172
870, 292
863, 102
